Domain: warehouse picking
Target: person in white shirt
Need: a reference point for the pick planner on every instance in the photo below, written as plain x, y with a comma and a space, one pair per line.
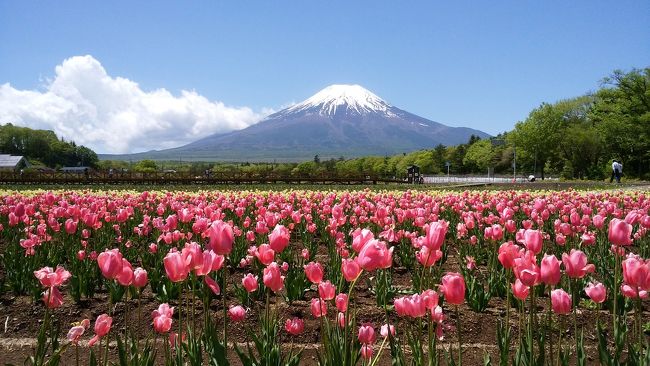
619, 171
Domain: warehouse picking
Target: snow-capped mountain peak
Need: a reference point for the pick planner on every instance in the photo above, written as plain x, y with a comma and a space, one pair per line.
350, 98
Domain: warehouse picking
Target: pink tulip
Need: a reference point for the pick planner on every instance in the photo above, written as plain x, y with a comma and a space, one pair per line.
620, 232
533, 240
318, 307
175, 266
453, 287
435, 234
633, 292
526, 269
50, 278
279, 238
140, 278
520, 290
430, 299
110, 263
52, 298
212, 285
550, 270
366, 351
75, 333
366, 334
350, 269
575, 264
508, 252
192, 256
588, 239
414, 306
326, 290
250, 283
221, 238
125, 277
360, 238
71, 227
385, 329
162, 318
341, 302
294, 326
636, 272
598, 221
470, 263
272, 277
375, 255
427, 257
19, 210
596, 292
237, 313
265, 254
560, 302
314, 272
102, 327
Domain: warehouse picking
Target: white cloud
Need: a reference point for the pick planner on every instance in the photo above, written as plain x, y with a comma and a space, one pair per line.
114, 115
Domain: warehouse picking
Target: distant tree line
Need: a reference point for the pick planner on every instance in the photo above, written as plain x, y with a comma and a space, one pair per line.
43, 147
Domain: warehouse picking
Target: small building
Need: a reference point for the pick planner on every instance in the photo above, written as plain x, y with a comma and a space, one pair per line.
76, 169
413, 174
13, 162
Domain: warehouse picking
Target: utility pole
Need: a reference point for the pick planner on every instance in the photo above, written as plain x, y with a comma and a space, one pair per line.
514, 164
448, 164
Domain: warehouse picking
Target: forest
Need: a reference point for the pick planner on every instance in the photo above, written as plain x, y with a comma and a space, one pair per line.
44, 148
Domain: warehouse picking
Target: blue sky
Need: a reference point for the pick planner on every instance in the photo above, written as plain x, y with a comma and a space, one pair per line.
478, 64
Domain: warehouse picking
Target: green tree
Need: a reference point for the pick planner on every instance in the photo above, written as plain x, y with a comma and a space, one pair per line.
481, 155
146, 166
621, 113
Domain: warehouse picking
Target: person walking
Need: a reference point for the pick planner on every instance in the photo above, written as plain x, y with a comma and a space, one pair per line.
614, 168
619, 171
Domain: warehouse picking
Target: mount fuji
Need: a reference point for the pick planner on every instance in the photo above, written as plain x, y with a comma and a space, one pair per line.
340, 120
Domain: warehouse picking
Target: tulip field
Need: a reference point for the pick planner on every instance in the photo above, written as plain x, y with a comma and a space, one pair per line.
324, 278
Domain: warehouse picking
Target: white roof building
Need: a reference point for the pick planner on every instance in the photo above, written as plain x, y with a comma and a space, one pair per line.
12, 162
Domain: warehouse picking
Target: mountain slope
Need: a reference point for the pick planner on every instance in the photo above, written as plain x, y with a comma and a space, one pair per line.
340, 120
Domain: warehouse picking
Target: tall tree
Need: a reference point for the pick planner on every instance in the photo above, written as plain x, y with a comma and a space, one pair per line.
622, 115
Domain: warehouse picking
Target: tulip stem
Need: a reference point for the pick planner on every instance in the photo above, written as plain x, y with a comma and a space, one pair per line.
106, 350
575, 314
460, 350
180, 311
549, 325
531, 347
637, 314
193, 303
139, 309
615, 288
225, 310
559, 342
347, 311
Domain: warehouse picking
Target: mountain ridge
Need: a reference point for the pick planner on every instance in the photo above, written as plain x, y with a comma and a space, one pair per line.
339, 120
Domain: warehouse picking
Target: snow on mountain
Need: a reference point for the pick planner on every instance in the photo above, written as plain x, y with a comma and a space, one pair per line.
350, 98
